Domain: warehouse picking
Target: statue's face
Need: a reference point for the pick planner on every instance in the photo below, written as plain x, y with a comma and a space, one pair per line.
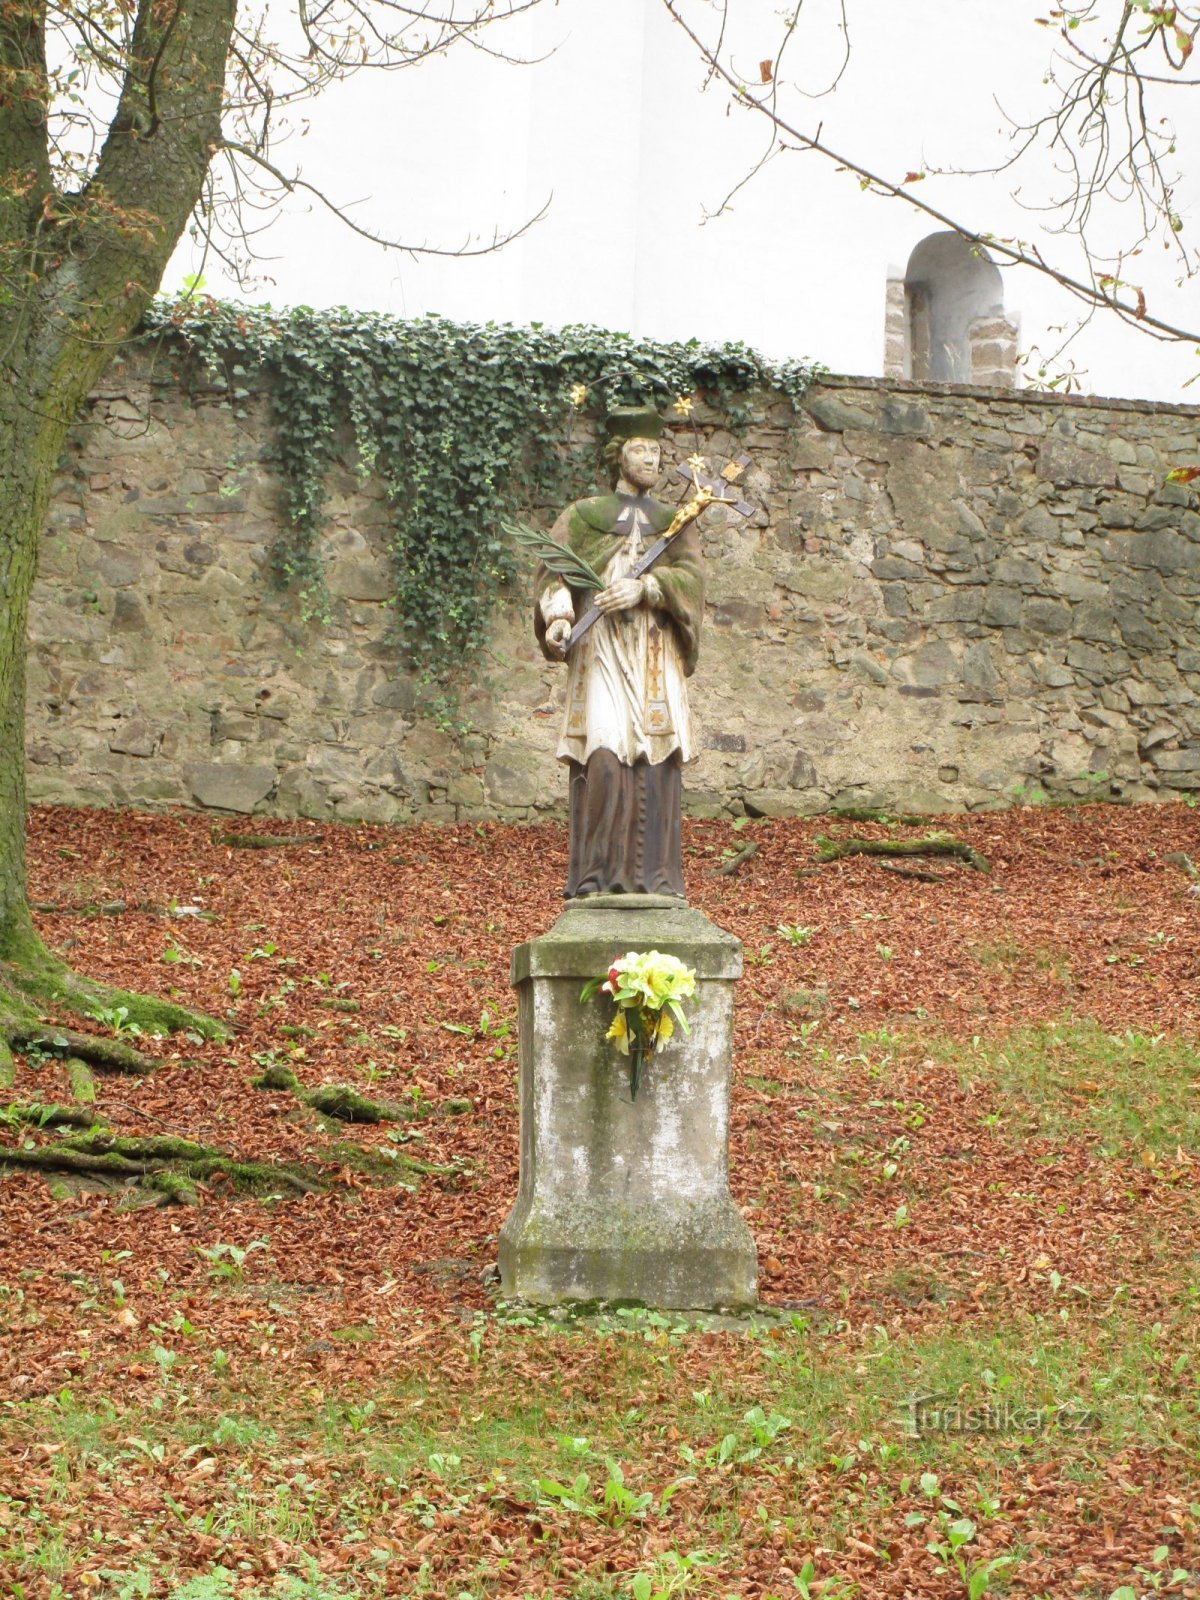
641, 462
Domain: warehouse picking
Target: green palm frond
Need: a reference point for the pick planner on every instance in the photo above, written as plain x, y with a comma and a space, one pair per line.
555, 557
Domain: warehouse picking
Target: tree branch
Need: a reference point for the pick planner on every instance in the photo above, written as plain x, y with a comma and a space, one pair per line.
1102, 292
299, 185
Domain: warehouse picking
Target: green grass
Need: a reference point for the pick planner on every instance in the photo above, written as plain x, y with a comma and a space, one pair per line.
741, 1440
1009, 955
1124, 1092
582, 1452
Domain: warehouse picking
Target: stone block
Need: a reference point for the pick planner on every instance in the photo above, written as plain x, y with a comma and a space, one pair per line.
958, 605
1096, 623
835, 415
1018, 571
1062, 461
1144, 694
716, 739
361, 580
1092, 663
1185, 760
1046, 616
230, 787
134, 739
803, 774
465, 790
129, 615
979, 667
399, 694
905, 417
811, 452
949, 541
1002, 607
773, 803
897, 570
867, 667
1055, 676
969, 522
620, 1199
934, 665
517, 779
119, 570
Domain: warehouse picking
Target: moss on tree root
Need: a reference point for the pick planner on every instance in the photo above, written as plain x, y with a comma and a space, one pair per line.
937, 844
167, 1165
34, 984
79, 1076
108, 1055
348, 1105
51, 1116
340, 1100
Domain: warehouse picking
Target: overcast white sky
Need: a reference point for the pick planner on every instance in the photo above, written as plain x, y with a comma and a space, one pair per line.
615, 130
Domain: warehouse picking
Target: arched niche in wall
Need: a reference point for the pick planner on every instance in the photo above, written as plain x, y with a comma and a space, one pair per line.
945, 317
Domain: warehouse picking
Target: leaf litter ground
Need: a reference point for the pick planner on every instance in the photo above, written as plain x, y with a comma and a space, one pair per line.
966, 1136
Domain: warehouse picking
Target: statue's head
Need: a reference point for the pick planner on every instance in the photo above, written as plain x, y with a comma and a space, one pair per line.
632, 450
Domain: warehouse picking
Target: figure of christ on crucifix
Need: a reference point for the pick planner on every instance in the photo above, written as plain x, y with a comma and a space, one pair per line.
627, 728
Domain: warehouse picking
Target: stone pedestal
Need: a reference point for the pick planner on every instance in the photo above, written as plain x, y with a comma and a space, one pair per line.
622, 1199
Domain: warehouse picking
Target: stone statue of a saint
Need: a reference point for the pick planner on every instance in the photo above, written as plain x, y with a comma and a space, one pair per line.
627, 730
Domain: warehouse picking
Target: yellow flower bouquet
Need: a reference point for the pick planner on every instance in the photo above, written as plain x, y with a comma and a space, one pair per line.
648, 991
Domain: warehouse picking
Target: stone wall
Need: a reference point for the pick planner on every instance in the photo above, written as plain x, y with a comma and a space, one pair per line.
949, 598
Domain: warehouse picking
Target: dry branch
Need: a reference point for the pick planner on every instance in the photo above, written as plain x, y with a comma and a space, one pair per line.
918, 873
266, 841
728, 868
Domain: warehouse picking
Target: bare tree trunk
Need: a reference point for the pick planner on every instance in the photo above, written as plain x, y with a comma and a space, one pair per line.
77, 269
32, 979
29, 448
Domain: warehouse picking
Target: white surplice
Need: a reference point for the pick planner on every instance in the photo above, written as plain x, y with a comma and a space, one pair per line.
626, 690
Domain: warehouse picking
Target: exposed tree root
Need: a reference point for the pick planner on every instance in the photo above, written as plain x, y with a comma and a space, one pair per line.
61, 1158
338, 1100
871, 814
107, 1055
171, 1188
167, 1165
35, 986
79, 1076
51, 1116
348, 1105
937, 844
117, 908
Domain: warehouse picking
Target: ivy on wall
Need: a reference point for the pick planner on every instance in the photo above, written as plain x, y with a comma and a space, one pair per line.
463, 425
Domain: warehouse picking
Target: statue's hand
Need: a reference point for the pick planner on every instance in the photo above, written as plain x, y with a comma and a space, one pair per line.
621, 596
558, 635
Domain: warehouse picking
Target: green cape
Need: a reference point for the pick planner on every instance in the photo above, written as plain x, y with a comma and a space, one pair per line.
679, 570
